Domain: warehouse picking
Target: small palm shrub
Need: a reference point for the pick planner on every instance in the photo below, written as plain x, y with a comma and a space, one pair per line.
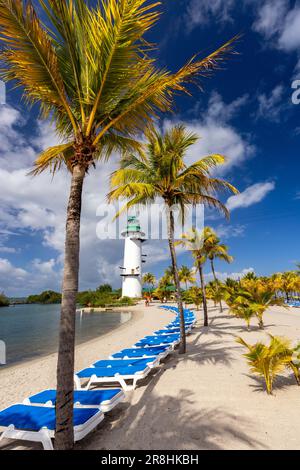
268, 361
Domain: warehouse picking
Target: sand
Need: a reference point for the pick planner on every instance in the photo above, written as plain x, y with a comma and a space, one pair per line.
204, 400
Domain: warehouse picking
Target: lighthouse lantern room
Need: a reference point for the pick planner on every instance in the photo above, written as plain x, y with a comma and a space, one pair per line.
133, 259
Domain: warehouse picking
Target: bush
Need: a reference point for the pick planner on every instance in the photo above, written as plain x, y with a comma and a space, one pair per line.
4, 302
46, 297
102, 299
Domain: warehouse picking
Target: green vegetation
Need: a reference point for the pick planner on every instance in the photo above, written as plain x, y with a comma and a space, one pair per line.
4, 301
269, 360
251, 297
46, 297
193, 296
103, 296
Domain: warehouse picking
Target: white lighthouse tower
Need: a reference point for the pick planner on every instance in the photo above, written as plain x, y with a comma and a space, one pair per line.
132, 269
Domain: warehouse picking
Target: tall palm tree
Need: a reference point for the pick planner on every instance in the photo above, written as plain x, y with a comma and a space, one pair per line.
187, 276
214, 249
90, 70
193, 240
161, 172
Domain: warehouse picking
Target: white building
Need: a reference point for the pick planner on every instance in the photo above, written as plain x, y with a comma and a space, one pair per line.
133, 259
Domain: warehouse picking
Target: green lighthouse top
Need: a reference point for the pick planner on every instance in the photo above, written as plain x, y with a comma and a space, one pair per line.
133, 229
133, 224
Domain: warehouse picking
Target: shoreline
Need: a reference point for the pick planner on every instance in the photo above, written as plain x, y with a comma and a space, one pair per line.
26, 378
33, 360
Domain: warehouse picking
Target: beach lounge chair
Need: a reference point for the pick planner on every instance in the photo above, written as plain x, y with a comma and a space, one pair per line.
172, 331
37, 423
160, 352
105, 400
150, 361
172, 340
109, 375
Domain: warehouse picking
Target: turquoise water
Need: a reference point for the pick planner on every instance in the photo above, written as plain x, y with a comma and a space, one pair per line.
31, 331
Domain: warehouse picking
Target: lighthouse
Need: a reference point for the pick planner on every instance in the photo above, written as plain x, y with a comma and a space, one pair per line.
133, 259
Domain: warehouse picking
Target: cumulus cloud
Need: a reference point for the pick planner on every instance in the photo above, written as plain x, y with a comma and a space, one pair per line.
270, 17
289, 39
270, 106
201, 12
231, 275
217, 134
252, 195
230, 231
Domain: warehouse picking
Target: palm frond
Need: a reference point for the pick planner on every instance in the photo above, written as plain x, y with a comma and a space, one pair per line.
53, 158
29, 58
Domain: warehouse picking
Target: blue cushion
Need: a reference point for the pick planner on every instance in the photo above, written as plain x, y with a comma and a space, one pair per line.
159, 340
110, 371
140, 352
124, 362
84, 397
33, 418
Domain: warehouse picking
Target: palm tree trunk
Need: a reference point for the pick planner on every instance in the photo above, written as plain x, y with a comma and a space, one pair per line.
182, 346
216, 280
64, 434
203, 294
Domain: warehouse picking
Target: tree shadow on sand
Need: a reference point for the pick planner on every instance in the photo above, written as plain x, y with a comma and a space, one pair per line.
168, 422
281, 382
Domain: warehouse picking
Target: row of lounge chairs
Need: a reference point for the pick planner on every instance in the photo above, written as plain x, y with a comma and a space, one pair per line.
34, 419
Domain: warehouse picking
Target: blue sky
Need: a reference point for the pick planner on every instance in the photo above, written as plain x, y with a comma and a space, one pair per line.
245, 112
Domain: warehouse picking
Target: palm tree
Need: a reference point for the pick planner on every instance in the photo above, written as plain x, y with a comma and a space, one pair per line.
254, 295
161, 172
268, 361
187, 276
214, 249
149, 279
91, 72
193, 296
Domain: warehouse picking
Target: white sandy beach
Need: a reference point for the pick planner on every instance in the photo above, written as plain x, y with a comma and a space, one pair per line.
203, 400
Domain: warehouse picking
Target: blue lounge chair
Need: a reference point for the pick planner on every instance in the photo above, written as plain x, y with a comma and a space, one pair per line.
170, 331
150, 361
172, 340
119, 375
37, 423
105, 400
160, 352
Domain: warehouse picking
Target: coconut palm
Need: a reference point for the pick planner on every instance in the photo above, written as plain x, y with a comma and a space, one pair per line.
214, 249
149, 279
215, 291
193, 296
244, 311
187, 276
90, 70
268, 361
161, 172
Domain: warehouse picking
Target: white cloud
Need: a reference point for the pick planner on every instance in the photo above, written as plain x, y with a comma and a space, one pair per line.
252, 195
222, 276
217, 134
270, 17
270, 106
230, 231
289, 39
201, 12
